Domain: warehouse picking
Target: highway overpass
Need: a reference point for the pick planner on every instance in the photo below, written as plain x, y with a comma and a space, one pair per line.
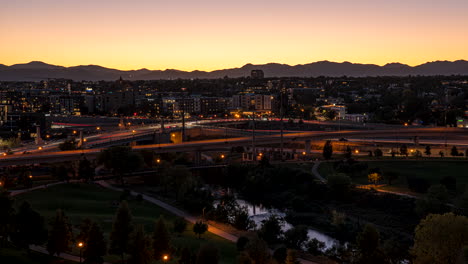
222, 144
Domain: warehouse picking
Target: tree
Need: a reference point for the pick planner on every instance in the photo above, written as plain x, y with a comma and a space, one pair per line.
441, 153
378, 153
328, 150
315, 246
271, 230
368, 246
139, 247
435, 201
85, 170
186, 256
280, 254
241, 243
6, 216
180, 225
60, 235
161, 239
200, 228
404, 150
242, 220
454, 151
121, 160
428, 151
208, 254
339, 183
439, 239
291, 258
95, 245
374, 178
85, 227
296, 237
348, 152
258, 251
29, 227
121, 230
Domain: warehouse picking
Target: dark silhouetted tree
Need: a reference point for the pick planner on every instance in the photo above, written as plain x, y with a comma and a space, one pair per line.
139, 247
439, 239
60, 235
6, 216
208, 254
200, 228
161, 239
95, 245
121, 160
121, 231
29, 227
180, 225
328, 150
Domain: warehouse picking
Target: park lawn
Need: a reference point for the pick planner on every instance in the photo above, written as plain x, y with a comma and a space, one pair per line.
80, 201
18, 256
432, 170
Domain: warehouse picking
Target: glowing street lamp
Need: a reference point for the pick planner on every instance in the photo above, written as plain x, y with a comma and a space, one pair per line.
356, 151
80, 246
165, 257
222, 156
39, 148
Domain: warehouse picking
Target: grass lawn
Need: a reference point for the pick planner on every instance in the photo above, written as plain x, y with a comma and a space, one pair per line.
80, 201
17, 256
433, 170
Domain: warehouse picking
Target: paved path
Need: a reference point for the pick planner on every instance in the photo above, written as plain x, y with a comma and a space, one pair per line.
315, 171
186, 216
174, 210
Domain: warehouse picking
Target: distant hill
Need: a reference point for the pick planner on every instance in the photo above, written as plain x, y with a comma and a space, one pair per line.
36, 71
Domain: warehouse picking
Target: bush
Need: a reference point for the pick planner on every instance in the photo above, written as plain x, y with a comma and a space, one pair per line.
242, 243
417, 184
315, 247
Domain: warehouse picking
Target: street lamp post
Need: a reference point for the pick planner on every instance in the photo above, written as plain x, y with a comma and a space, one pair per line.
80, 246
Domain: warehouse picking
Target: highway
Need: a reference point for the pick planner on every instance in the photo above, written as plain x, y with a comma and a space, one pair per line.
221, 144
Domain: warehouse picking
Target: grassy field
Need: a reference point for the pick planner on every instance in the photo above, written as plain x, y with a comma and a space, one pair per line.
16, 256
433, 170
80, 201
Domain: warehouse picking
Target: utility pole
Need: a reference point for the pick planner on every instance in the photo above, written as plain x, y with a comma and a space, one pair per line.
254, 156
281, 124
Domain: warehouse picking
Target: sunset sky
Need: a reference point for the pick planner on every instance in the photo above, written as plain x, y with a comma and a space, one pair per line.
208, 34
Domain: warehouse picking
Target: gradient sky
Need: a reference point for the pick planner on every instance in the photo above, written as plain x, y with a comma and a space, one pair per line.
209, 34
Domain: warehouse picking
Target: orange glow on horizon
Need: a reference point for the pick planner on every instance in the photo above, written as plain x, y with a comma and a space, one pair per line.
209, 35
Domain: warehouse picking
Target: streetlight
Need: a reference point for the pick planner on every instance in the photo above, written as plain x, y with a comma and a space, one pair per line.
39, 148
165, 257
80, 246
222, 156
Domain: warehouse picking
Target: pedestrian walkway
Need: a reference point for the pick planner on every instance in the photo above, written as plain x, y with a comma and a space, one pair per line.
173, 210
316, 173
186, 216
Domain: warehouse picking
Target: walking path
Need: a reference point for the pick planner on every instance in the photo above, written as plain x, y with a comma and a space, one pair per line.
186, 216
316, 173
174, 210
170, 208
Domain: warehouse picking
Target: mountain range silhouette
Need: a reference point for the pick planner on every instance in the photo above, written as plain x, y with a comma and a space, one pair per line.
37, 70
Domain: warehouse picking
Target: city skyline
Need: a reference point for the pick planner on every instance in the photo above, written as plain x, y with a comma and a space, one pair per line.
210, 35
